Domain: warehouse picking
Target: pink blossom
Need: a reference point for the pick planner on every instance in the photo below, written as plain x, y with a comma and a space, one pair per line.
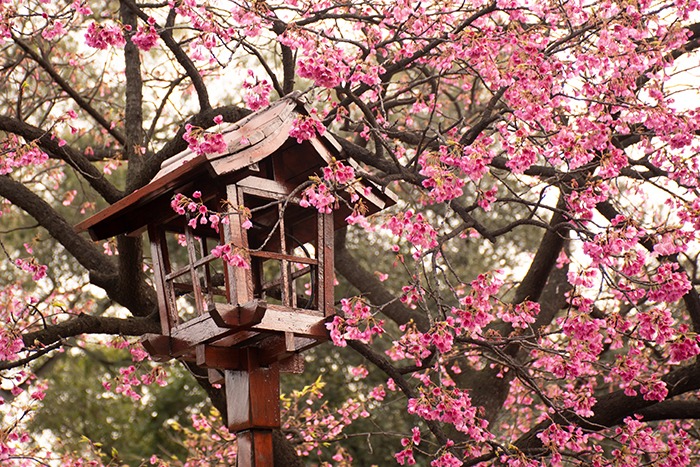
146, 38
101, 37
56, 29
306, 127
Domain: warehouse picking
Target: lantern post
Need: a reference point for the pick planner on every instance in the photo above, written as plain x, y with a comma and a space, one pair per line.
244, 296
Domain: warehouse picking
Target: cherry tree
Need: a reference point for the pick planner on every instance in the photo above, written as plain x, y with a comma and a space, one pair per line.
531, 300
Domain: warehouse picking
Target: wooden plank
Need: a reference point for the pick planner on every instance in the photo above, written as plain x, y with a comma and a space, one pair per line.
264, 395
244, 452
326, 287
247, 156
160, 266
296, 320
242, 279
163, 348
252, 395
262, 448
275, 188
222, 358
237, 387
281, 256
200, 330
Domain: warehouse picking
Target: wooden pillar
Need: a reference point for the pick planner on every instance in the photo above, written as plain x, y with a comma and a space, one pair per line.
253, 406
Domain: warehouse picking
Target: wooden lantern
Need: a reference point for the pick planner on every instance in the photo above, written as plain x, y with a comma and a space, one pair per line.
246, 324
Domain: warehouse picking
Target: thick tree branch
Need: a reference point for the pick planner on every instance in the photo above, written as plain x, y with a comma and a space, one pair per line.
133, 112
82, 249
88, 324
672, 410
49, 144
182, 58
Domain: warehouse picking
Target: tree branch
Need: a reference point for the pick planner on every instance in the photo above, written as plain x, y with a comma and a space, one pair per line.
82, 249
88, 324
370, 287
182, 58
68, 89
133, 112
73, 158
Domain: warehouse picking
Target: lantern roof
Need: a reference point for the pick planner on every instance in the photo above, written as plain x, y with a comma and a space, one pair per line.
249, 142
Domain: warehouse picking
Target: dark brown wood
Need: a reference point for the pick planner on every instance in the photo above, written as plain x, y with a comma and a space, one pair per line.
227, 358
163, 348
265, 396
160, 266
255, 449
239, 316
222, 358
252, 395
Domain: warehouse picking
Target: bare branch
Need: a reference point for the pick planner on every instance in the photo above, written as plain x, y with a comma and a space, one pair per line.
68, 89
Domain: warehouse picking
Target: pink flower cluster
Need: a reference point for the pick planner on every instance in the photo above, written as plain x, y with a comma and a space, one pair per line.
306, 127
668, 284
130, 378
201, 142
476, 309
198, 211
146, 37
357, 323
53, 31
319, 196
325, 70
415, 229
17, 155
232, 255
338, 173
10, 344
521, 315
38, 271
443, 184
321, 193
102, 36
453, 406
257, 92
405, 456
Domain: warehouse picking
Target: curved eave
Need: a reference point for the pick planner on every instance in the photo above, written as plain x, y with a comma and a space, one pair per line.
133, 212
